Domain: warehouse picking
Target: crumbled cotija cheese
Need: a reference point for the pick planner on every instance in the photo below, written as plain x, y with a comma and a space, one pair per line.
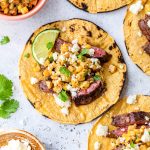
136, 8
102, 130
146, 136
33, 80
17, 145
65, 111
55, 56
97, 145
131, 99
91, 52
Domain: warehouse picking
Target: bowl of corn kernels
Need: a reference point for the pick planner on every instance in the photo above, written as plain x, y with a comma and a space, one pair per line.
19, 9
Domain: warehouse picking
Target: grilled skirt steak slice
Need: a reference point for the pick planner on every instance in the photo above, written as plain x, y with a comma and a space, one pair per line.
121, 130
146, 48
98, 52
139, 118
43, 87
86, 96
144, 27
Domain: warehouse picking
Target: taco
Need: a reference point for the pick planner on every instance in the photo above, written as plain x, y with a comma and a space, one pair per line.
126, 126
72, 71
95, 6
137, 33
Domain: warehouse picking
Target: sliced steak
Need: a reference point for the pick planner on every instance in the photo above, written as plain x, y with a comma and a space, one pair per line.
43, 87
99, 53
146, 48
117, 132
144, 27
121, 130
139, 118
86, 96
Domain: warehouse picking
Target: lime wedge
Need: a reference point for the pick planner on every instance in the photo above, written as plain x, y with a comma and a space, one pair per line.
43, 44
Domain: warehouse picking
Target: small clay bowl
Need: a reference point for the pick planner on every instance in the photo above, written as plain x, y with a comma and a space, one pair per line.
32, 12
6, 136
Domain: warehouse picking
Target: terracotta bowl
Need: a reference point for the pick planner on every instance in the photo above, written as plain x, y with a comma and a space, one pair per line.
25, 16
6, 136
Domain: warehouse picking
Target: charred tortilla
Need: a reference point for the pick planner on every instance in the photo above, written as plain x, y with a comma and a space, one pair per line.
111, 119
136, 41
95, 6
45, 103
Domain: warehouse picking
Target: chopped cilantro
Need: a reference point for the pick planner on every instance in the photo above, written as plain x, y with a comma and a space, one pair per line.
83, 52
132, 145
49, 45
97, 77
4, 40
27, 55
8, 105
5, 88
65, 71
51, 59
63, 96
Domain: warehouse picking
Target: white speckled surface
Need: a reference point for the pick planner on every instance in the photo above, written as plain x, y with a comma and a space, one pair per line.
55, 135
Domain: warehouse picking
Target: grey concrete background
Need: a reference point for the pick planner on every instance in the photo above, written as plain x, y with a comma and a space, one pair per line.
57, 136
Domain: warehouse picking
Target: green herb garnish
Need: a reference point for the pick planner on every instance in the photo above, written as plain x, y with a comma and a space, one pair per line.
149, 132
97, 77
49, 45
4, 40
51, 59
65, 71
27, 55
63, 96
9, 105
132, 145
83, 52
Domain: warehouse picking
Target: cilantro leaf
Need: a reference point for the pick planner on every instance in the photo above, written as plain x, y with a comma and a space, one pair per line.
10, 106
63, 96
49, 45
132, 145
51, 59
5, 88
65, 71
83, 52
97, 77
4, 114
4, 40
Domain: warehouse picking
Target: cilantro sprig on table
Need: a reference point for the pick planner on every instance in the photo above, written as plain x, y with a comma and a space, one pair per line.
8, 105
4, 40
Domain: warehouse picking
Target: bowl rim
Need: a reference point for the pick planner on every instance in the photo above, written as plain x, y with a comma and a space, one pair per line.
32, 12
27, 134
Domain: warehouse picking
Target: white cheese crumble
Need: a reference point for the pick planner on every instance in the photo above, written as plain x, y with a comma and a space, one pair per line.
146, 136
97, 145
75, 47
72, 90
17, 145
131, 99
55, 56
102, 130
91, 52
62, 57
139, 33
136, 8
60, 103
148, 23
75, 41
74, 58
33, 80
65, 111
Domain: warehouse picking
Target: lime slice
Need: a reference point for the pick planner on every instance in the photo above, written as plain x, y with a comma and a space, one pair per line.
43, 44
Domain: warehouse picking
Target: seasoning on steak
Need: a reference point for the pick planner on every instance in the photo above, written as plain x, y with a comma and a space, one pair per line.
88, 95
139, 118
98, 52
43, 87
117, 132
146, 48
144, 27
